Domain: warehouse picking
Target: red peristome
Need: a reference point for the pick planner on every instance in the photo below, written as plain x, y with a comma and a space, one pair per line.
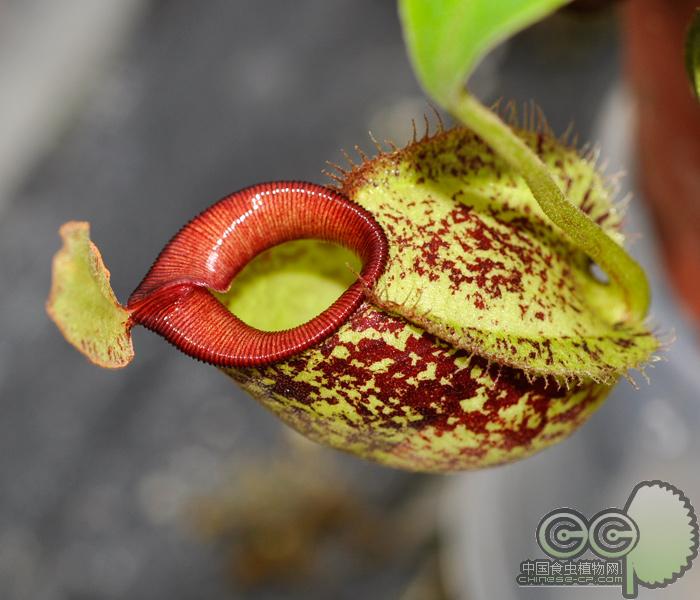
174, 298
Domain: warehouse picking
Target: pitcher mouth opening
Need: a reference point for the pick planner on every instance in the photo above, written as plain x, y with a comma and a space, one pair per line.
290, 284
175, 298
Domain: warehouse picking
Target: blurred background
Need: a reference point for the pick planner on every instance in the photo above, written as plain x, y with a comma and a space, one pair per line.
166, 481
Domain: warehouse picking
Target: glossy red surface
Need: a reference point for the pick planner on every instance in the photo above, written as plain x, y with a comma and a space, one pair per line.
174, 298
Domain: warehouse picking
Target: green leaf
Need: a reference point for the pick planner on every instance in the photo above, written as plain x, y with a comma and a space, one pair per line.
692, 53
82, 303
447, 38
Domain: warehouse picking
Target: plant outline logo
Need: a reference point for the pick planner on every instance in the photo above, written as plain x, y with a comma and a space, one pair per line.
651, 542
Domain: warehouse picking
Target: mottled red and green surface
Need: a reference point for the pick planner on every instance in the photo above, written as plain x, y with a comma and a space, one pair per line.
474, 260
487, 337
385, 389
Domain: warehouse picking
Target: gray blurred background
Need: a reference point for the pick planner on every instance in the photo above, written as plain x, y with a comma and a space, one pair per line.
164, 480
